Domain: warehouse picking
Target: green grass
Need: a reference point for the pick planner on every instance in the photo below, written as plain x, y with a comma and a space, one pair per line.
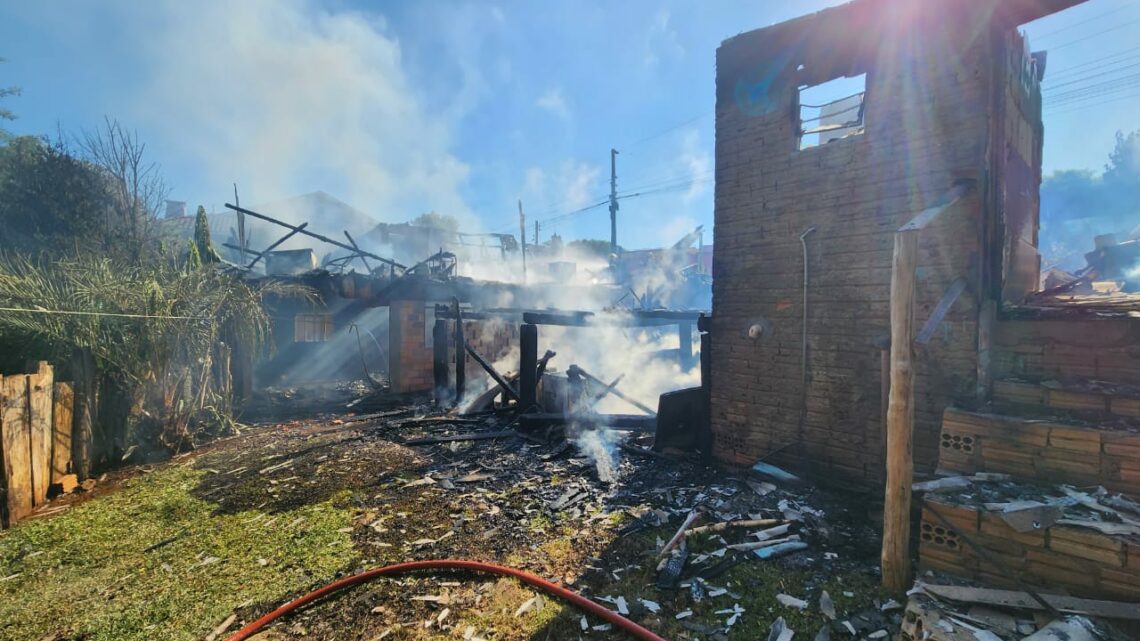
85, 573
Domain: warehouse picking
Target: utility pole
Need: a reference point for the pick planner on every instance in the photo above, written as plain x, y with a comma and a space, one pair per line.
536, 232
522, 237
613, 202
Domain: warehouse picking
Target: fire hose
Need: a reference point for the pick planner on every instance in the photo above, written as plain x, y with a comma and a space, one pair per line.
450, 564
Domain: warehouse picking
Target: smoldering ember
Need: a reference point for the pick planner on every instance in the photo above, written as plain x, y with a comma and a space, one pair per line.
880, 381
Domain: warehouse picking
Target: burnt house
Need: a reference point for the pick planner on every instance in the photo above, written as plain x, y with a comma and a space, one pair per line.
944, 106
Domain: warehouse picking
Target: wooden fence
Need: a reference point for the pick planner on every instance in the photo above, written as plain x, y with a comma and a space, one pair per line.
36, 423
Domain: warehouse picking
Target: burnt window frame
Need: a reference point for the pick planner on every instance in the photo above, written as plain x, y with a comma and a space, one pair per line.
859, 124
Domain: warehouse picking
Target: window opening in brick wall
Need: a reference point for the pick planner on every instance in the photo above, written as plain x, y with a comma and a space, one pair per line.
831, 110
312, 328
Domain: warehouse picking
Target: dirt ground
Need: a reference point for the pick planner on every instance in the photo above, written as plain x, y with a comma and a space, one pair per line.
247, 523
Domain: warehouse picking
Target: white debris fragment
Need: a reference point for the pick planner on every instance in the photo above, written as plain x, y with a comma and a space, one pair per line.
684, 614
605, 627
791, 601
850, 628
622, 606
878, 634
718, 592
772, 532
533, 603
779, 631
826, 605
848, 594
652, 606
585, 625
891, 604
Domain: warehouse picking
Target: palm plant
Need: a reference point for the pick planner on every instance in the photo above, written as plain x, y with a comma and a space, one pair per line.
160, 333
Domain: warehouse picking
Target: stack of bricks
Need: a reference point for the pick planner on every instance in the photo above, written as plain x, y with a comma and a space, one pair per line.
1046, 451
1061, 558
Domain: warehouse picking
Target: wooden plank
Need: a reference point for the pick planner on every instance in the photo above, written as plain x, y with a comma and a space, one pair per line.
62, 415
40, 426
1013, 599
895, 556
17, 447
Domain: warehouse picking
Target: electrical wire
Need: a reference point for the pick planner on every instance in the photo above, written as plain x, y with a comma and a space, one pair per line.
450, 564
1052, 87
1103, 62
1081, 106
67, 312
1093, 35
1085, 21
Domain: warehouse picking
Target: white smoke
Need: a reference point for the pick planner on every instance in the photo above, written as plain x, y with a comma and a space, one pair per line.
284, 97
600, 447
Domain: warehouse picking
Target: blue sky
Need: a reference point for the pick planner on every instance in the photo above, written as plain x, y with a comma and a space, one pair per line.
464, 108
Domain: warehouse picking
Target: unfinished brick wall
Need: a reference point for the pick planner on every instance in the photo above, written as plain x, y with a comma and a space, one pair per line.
932, 73
1062, 558
1106, 349
411, 354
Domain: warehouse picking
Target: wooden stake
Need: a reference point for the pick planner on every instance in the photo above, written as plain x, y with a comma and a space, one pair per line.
62, 420
40, 429
900, 417
17, 447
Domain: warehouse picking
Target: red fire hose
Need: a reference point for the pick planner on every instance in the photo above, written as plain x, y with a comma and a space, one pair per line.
450, 564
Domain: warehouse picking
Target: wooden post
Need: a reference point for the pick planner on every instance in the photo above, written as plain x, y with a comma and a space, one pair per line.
987, 316
900, 417
528, 366
40, 429
85, 410
460, 353
685, 336
439, 360
17, 446
62, 419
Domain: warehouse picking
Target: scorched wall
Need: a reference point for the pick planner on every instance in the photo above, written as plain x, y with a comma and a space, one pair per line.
932, 71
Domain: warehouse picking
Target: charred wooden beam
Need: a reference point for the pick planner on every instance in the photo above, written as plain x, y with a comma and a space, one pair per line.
439, 360
528, 366
507, 389
542, 365
325, 239
359, 253
277, 244
616, 392
620, 422
460, 356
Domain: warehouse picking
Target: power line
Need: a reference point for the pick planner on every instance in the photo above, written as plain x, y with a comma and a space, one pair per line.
67, 312
1095, 75
1093, 35
1086, 21
675, 127
1085, 106
1106, 61
1099, 90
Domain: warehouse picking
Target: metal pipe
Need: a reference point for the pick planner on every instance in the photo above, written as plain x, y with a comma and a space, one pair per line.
803, 350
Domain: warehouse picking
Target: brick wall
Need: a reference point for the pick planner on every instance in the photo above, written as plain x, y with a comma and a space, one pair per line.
411, 354
1106, 349
410, 357
930, 93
